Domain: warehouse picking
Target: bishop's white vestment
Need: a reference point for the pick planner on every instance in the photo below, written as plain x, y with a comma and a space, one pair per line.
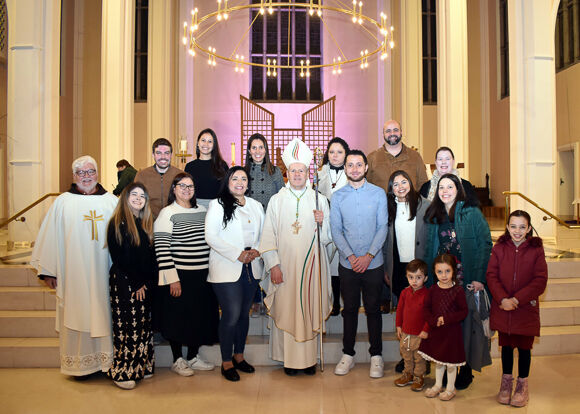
290, 241
71, 247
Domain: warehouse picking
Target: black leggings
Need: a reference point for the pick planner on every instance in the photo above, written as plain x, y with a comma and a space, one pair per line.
177, 353
524, 361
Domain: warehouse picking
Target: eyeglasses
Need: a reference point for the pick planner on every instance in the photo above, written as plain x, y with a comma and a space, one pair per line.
84, 173
185, 187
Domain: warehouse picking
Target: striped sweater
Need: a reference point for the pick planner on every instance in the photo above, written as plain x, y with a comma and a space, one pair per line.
180, 241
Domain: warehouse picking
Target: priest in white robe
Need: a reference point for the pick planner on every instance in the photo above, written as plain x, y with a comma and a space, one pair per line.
71, 257
291, 255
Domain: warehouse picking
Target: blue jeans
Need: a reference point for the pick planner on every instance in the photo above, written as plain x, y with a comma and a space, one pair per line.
235, 299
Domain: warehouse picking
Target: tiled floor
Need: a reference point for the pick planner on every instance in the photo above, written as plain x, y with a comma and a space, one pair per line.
553, 389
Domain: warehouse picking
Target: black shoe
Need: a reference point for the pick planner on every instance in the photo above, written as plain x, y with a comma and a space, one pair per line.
81, 377
464, 378
243, 366
230, 374
310, 370
291, 372
335, 310
427, 368
400, 366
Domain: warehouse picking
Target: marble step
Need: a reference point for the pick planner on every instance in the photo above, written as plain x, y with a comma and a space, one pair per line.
334, 324
560, 312
18, 275
563, 268
27, 298
26, 323
43, 352
566, 288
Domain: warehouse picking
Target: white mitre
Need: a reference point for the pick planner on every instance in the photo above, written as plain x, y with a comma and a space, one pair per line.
297, 151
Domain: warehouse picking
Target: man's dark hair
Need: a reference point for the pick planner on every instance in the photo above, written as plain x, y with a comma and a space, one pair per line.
123, 163
161, 141
356, 152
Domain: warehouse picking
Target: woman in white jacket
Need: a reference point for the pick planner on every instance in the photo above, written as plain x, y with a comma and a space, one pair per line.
233, 227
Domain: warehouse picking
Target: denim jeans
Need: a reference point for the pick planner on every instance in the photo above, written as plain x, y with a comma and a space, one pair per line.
235, 299
371, 284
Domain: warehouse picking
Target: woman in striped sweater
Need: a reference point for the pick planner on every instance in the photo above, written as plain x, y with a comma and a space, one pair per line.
188, 311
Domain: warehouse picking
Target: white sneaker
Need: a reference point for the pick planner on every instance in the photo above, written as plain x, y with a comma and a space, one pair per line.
147, 376
377, 367
200, 364
126, 385
345, 364
182, 368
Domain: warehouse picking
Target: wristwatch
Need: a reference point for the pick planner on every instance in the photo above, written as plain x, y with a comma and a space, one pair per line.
371, 255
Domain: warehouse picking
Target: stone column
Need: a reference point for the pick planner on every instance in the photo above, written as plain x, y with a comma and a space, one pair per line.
533, 108
411, 52
33, 109
117, 57
161, 79
452, 88
185, 90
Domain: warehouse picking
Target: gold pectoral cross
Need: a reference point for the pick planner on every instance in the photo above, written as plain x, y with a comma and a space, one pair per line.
94, 218
296, 227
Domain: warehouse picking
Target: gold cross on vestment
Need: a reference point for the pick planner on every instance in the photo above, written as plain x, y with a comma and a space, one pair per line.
94, 218
296, 227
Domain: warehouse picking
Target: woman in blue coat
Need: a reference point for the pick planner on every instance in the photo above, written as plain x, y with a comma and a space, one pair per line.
457, 227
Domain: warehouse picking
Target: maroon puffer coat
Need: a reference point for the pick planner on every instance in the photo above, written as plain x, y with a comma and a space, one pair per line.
519, 272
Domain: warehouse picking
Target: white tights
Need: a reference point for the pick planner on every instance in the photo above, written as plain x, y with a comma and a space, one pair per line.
451, 374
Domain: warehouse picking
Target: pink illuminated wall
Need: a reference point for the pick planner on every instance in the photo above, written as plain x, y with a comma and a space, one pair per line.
217, 89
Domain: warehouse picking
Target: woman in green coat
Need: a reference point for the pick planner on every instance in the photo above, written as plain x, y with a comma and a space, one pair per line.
458, 227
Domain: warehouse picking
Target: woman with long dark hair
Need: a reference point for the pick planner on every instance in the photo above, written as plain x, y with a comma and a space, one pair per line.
407, 233
233, 227
188, 310
457, 227
265, 178
332, 178
132, 278
209, 169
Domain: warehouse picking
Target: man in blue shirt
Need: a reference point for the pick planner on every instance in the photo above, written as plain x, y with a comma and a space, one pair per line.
358, 221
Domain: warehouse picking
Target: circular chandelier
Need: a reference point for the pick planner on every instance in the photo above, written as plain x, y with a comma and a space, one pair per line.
199, 26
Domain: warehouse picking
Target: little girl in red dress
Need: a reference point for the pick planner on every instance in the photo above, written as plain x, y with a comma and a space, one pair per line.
445, 308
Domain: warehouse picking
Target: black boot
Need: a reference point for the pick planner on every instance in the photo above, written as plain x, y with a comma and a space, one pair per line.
464, 377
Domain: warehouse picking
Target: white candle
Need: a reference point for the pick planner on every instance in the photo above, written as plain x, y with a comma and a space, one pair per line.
233, 153
183, 145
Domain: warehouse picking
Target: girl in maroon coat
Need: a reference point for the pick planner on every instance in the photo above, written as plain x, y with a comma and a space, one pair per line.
516, 276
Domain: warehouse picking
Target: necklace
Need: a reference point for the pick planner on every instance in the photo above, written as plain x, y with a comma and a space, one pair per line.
296, 226
338, 174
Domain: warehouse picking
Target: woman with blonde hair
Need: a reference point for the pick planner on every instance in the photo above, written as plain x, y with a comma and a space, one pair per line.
132, 276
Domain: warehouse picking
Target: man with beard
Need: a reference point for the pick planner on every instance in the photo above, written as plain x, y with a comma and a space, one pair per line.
358, 221
157, 179
393, 156
70, 257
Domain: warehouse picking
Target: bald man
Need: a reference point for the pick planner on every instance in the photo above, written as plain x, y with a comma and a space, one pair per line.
393, 156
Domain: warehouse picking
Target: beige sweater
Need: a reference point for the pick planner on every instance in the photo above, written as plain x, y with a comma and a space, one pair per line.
157, 186
382, 164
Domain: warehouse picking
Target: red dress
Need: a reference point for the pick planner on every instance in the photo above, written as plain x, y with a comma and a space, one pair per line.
445, 343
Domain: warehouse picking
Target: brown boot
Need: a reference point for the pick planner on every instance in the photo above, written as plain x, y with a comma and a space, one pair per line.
505, 390
520, 397
418, 383
404, 380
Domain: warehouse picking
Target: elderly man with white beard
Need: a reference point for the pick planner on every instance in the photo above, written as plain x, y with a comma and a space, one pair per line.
71, 257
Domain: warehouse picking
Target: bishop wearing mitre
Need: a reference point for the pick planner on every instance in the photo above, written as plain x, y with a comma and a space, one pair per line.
298, 280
